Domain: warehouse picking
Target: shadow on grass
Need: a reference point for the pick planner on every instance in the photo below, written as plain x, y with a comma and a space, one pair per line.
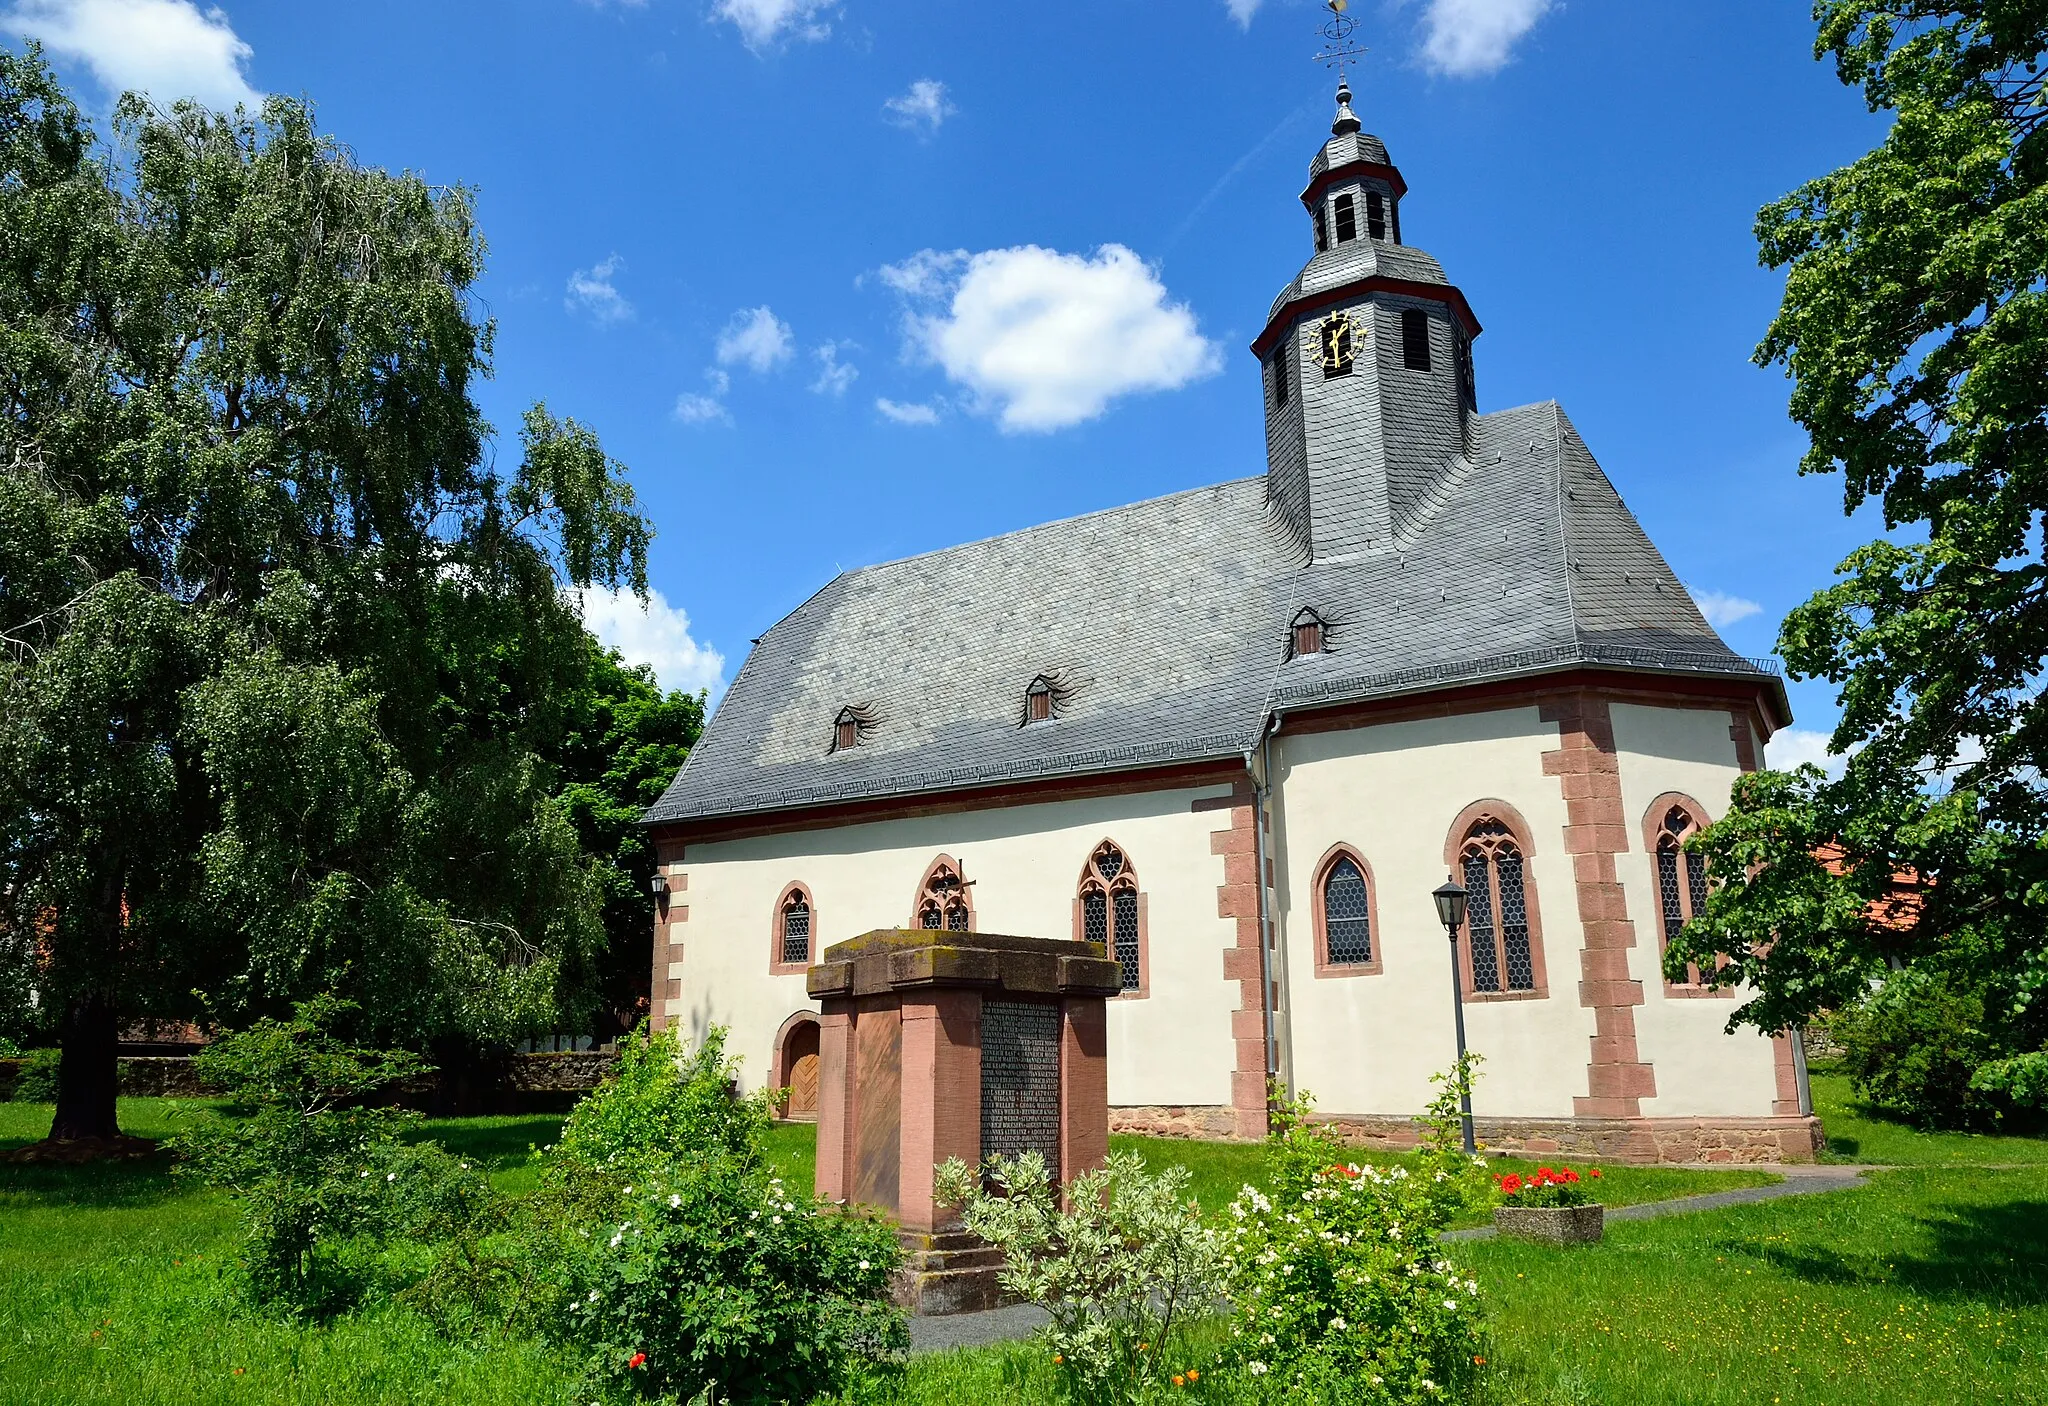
499, 1142
1985, 1254
142, 1182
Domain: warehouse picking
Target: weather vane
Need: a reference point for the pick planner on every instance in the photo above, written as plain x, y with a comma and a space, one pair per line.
1338, 48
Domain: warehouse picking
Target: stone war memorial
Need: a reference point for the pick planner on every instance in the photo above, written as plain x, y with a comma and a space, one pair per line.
936, 1044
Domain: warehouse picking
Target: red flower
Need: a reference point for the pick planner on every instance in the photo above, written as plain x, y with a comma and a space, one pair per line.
1570, 1175
1510, 1183
638, 1359
1593, 1172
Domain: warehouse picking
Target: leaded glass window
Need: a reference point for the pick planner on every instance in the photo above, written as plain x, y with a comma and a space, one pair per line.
1347, 918
1111, 911
796, 930
1681, 879
942, 902
1497, 912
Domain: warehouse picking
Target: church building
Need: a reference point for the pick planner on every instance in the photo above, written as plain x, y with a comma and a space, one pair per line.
1240, 733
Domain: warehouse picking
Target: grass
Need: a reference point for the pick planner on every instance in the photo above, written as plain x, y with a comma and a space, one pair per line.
1930, 1285
1857, 1132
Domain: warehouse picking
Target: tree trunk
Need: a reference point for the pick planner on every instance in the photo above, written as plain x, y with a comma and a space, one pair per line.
89, 1071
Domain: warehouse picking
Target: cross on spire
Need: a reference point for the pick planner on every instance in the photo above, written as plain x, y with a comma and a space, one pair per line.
1340, 49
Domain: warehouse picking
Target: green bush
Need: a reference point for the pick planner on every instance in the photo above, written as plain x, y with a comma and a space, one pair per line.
2019, 1086
334, 1205
1913, 1046
1123, 1271
689, 1268
37, 1081
8, 1049
1342, 1292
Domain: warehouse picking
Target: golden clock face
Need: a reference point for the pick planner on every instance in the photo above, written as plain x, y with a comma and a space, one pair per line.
1337, 343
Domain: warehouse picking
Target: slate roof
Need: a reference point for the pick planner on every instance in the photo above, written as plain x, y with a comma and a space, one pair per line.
1165, 624
1356, 259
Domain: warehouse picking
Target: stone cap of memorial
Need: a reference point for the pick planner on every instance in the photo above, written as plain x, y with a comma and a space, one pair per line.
906, 959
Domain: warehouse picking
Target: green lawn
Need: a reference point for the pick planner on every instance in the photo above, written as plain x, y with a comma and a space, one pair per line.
1931, 1285
1856, 1133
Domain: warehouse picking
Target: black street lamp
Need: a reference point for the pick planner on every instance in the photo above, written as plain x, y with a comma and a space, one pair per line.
1450, 911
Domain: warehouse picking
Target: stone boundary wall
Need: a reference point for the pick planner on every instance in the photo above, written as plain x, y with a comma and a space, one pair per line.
171, 1076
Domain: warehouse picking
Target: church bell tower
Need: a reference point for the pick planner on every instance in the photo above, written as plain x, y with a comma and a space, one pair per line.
1367, 358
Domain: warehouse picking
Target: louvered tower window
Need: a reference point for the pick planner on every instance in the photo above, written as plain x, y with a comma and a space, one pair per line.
1375, 215
1111, 912
1347, 218
1681, 879
1415, 339
1280, 376
1497, 915
1347, 915
1322, 230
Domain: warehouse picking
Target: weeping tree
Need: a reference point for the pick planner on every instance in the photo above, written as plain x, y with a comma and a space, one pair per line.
281, 639
1914, 327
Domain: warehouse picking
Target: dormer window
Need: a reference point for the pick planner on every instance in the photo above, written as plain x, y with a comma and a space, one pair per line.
1307, 633
845, 730
1347, 218
1038, 701
1375, 214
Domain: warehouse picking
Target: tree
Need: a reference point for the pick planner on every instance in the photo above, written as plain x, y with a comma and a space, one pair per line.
280, 638
1914, 327
622, 742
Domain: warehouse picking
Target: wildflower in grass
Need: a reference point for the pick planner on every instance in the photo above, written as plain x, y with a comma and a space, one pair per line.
638, 1359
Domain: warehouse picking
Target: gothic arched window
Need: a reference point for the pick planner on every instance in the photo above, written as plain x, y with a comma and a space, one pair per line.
793, 943
1504, 946
1111, 910
1681, 876
1347, 943
943, 901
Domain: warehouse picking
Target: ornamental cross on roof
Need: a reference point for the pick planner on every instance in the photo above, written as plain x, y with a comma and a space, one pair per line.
1339, 49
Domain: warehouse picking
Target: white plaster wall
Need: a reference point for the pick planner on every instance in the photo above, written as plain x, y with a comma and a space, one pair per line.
1701, 1070
1368, 1044
1173, 1046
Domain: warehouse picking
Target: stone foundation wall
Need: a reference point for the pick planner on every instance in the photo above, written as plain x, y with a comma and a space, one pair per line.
1642, 1140
1213, 1121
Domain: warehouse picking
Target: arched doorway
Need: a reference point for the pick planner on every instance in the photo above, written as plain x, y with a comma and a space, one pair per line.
798, 1058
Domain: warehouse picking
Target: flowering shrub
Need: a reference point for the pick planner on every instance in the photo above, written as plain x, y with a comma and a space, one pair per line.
1122, 1271
687, 1269
1342, 1291
1545, 1187
720, 1281
329, 1194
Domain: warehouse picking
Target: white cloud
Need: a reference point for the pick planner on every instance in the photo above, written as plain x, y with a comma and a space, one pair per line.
656, 633
1243, 10
907, 414
1472, 38
834, 375
591, 291
763, 22
922, 109
168, 49
694, 409
1795, 746
1722, 609
1043, 340
756, 339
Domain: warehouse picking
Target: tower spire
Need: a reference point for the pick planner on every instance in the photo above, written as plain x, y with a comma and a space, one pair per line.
1347, 120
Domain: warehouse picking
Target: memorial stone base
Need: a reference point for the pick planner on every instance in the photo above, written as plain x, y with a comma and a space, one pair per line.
935, 1045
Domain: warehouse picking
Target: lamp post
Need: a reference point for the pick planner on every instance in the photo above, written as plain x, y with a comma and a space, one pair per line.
1450, 911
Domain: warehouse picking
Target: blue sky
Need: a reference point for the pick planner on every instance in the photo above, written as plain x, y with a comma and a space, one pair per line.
842, 282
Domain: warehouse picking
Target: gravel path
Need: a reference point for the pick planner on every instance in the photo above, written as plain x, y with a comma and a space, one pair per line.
1021, 1320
